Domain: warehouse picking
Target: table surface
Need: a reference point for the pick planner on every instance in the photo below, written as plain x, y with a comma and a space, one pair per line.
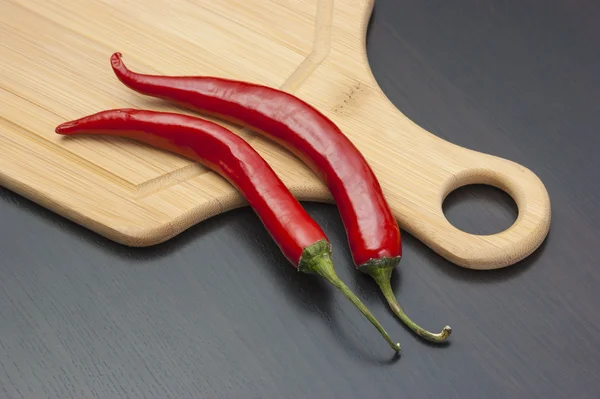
217, 311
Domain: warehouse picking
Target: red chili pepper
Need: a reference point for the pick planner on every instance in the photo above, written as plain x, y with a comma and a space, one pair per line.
373, 232
298, 236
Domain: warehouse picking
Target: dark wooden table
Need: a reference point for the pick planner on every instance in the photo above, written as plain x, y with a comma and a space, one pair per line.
217, 312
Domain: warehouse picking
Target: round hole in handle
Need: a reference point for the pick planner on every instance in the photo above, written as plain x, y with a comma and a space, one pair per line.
476, 247
491, 251
481, 201
480, 209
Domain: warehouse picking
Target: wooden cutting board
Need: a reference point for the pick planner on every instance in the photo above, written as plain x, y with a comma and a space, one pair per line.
54, 66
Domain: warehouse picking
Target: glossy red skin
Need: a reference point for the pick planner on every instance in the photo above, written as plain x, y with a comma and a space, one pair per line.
223, 152
372, 230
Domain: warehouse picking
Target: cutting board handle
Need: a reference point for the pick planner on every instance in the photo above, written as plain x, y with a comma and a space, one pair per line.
418, 169
495, 250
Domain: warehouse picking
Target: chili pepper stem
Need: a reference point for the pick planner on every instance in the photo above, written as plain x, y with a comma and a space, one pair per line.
316, 259
381, 272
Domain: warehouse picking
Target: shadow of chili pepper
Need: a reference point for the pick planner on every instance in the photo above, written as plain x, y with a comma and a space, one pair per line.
306, 293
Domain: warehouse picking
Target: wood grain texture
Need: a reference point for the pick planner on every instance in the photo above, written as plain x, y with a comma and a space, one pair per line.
216, 312
55, 67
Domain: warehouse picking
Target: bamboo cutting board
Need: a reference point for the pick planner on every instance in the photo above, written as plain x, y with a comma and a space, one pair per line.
54, 66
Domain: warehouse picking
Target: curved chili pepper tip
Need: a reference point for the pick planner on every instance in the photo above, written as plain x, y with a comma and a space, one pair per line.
115, 59
65, 127
381, 272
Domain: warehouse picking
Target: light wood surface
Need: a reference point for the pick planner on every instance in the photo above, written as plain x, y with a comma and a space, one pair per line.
54, 66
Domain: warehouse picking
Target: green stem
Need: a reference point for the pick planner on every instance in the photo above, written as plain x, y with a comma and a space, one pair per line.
382, 274
316, 259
